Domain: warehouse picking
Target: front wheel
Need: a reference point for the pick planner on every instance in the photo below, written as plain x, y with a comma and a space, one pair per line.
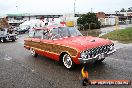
67, 62
33, 53
2, 40
13, 40
99, 61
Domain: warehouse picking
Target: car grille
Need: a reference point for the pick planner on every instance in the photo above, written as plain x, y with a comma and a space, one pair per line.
11, 37
98, 50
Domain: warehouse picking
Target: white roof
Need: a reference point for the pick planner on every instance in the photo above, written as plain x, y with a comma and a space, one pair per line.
2, 16
30, 22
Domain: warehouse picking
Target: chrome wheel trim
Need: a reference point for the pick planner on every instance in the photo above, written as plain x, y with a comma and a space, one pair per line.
2, 40
67, 61
32, 52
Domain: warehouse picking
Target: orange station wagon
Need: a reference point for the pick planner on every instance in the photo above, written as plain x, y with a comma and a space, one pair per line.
67, 45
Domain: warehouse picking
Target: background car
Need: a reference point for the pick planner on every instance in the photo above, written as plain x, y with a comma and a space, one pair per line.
67, 45
23, 29
6, 35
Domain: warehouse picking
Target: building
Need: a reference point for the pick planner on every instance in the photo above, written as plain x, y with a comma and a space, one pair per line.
107, 18
17, 19
101, 17
123, 17
32, 16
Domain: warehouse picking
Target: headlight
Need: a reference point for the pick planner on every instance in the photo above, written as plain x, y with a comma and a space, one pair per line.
111, 47
83, 55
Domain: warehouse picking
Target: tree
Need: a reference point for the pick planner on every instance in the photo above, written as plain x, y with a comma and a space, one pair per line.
89, 20
122, 10
126, 10
129, 9
4, 23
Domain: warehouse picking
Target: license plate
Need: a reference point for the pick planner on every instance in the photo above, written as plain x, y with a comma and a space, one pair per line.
101, 56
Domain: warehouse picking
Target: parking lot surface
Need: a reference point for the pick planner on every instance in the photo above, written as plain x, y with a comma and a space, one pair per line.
18, 69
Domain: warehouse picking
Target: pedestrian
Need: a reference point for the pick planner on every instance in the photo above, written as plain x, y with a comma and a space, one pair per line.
10, 30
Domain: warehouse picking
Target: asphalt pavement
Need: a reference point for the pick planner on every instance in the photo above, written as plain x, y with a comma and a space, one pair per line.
18, 69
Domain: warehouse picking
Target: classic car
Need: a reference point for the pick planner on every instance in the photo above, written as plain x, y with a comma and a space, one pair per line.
67, 45
7, 36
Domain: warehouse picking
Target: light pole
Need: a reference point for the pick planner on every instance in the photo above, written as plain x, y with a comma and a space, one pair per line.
74, 7
17, 8
116, 21
127, 22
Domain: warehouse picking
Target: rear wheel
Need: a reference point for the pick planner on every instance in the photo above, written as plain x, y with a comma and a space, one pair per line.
33, 53
67, 62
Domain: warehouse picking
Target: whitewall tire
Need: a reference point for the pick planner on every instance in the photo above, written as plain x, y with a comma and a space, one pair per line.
33, 53
67, 62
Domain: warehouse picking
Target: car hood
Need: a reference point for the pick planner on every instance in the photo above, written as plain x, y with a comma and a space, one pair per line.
83, 42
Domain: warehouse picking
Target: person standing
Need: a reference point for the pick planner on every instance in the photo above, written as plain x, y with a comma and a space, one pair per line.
10, 30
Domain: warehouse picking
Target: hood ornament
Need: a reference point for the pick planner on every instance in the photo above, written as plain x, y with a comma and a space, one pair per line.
92, 40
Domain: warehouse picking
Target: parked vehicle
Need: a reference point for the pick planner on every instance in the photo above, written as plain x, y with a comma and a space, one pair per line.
23, 29
67, 45
7, 35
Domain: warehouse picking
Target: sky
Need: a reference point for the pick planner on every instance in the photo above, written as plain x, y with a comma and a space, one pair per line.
61, 6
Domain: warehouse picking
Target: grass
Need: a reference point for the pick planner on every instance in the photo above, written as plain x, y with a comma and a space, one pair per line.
124, 35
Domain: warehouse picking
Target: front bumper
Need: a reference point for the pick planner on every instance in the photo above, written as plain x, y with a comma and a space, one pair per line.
11, 38
97, 57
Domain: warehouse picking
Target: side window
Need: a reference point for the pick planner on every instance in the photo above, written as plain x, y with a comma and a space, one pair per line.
55, 33
38, 34
46, 34
31, 33
63, 32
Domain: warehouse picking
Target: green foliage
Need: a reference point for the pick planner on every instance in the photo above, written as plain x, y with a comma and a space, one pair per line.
125, 10
129, 9
124, 35
122, 10
89, 21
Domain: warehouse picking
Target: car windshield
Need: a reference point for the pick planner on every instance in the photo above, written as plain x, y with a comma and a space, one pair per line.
65, 32
55, 33
74, 32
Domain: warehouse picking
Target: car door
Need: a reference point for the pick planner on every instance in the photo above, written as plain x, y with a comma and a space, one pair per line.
35, 40
48, 45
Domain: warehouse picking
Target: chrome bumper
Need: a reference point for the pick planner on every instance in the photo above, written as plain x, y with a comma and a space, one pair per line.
97, 57
11, 37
